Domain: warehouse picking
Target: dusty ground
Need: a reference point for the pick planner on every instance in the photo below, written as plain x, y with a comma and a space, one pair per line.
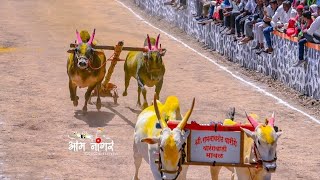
36, 114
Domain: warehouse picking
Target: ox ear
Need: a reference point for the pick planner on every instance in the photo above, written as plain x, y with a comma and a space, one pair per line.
163, 52
248, 132
278, 134
153, 140
71, 50
185, 135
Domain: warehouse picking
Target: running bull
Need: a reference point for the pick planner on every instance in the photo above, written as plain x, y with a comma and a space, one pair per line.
146, 67
86, 67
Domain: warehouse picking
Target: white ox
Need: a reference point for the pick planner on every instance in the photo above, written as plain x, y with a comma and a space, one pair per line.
259, 147
164, 145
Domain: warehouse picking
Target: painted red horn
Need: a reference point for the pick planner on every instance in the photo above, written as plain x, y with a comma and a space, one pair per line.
157, 41
149, 42
78, 37
252, 121
92, 37
271, 120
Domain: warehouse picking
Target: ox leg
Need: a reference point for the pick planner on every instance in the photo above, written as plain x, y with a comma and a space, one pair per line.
87, 96
137, 161
98, 105
73, 93
139, 93
158, 88
126, 84
214, 170
145, 103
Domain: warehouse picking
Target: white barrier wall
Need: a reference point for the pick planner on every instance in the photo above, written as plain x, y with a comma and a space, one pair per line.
277, 65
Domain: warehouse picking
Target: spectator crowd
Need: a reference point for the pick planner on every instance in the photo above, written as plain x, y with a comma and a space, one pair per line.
255, 20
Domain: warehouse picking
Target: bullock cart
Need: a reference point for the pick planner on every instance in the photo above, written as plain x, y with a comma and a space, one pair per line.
109, 89
214, 144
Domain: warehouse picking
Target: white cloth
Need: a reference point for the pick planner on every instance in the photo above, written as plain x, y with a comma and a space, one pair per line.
258, 31
270, 11
282, 17
314, 26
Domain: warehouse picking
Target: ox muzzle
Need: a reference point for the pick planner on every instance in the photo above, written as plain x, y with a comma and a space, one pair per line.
83, 62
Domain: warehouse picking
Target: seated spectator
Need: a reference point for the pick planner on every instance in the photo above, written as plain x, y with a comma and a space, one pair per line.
315, 10
240, 19
208, 8
279, 21
234, 7
257, 16
295, 23
238, 8
268, 13
309, 35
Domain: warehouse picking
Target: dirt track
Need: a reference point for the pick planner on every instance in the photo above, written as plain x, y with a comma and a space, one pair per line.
36, 113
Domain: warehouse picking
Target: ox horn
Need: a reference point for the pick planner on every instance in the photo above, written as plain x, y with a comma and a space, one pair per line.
252, 121
78, 37
271, 120
184, 121
163, 123
92, 37
149, 42
157, 41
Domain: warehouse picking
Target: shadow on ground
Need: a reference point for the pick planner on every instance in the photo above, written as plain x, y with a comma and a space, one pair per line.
95, 118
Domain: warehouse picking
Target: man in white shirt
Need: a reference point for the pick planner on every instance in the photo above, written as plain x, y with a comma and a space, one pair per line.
279, 21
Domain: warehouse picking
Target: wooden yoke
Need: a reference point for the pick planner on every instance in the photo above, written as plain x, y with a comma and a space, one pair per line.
114, 61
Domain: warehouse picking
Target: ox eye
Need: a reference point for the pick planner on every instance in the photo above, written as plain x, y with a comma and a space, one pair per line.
259, 142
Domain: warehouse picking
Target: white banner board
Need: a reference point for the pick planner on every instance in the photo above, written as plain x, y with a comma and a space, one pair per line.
211, 146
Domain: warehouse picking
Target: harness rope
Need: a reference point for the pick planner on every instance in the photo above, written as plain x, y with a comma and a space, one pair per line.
259, 160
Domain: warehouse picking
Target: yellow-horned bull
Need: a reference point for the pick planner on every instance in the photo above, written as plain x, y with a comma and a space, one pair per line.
85, 68
164, 145
259, 147
147, 68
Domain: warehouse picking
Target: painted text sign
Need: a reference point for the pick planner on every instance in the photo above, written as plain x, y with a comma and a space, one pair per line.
211, 146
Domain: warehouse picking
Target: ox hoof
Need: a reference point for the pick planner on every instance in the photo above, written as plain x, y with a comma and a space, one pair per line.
98, 105
84, 109
124, 93
75, 103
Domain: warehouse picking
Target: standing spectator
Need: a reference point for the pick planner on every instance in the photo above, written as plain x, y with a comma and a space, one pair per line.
279, 21
308, 36
268, 13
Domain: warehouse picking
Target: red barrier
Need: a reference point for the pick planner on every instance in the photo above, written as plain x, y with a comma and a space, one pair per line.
211, 127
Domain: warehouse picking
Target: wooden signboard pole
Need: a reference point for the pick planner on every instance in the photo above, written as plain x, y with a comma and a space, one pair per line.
241, 148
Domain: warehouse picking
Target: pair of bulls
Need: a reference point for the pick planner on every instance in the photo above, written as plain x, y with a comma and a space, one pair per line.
166, 146
86, 67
